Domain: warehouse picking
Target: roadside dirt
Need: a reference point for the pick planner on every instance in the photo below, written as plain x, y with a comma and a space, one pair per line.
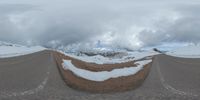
111, 85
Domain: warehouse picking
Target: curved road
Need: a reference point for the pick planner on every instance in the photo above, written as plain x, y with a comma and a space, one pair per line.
36, 77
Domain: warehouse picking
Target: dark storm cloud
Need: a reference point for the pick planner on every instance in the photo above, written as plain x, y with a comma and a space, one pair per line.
130, 24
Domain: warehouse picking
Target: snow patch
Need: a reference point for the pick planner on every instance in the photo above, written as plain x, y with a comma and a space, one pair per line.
186, 52
104, 75
12, 50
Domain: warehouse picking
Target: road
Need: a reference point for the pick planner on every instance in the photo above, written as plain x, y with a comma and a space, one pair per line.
36, 77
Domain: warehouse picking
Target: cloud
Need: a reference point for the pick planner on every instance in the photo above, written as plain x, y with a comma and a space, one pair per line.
184, 28
15, 22
125, 24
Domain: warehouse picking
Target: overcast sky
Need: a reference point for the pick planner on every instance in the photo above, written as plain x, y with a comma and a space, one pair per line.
118, 23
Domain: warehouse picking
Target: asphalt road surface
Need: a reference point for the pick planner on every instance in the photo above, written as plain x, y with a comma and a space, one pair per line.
36, 77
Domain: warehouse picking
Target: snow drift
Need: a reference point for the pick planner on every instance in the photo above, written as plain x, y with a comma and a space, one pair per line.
12, 50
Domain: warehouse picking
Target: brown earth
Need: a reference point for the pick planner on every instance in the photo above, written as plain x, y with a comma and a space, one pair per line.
123, 83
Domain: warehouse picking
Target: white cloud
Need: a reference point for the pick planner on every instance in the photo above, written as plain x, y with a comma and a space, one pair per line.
127, 24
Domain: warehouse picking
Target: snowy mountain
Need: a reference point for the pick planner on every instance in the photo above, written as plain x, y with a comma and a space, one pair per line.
117, 58
91, 51
9, 44
109, 56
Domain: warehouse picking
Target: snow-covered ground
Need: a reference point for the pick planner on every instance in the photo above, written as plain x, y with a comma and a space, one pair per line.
186, 52
104, 75
128, 56
11, 50
190, 51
